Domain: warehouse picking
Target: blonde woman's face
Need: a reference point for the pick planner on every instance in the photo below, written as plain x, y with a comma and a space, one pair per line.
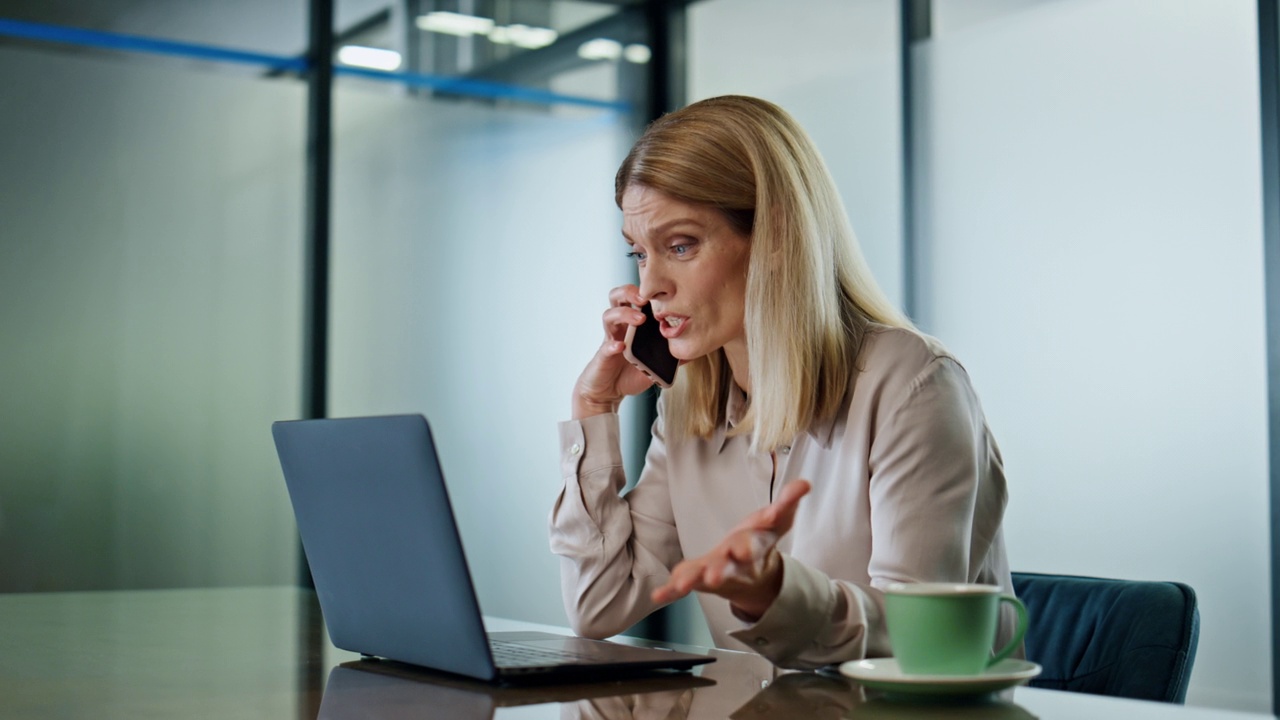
693, 271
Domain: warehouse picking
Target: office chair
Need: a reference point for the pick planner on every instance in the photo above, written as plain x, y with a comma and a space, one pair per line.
1111, 637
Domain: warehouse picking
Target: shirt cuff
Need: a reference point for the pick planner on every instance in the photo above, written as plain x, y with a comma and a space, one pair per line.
796, 619
589, 445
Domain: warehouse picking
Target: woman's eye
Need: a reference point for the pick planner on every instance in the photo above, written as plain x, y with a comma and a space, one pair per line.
680, 249
636, 255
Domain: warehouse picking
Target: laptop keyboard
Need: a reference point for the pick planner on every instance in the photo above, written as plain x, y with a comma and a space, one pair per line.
514, 655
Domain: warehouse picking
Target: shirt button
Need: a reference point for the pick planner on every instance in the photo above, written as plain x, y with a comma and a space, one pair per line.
576, 449
761, 642
785, 449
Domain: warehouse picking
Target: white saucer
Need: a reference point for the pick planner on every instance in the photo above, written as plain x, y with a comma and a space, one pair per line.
884, 674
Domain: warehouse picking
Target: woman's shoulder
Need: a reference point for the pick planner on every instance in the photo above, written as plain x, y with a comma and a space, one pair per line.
886, 344
901, 357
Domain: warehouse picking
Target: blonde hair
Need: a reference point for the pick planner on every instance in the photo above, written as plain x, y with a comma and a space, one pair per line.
810, 294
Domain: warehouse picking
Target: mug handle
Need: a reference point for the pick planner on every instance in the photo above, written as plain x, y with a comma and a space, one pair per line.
1018, 634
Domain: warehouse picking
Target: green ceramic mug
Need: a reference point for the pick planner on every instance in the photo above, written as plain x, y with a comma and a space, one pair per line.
948, 628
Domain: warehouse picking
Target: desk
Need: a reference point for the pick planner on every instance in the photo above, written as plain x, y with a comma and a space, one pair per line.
262, 653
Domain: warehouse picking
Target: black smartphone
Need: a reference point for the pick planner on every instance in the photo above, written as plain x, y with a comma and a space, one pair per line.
648, 350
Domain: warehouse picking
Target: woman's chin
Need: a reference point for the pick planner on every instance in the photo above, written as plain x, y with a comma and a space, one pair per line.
686, 352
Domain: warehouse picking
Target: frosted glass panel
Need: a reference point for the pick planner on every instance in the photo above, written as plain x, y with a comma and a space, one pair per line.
1092, 251
474, 250
150, 245
834, 65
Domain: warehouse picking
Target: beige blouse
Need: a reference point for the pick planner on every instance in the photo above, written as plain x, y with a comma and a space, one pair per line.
908, 486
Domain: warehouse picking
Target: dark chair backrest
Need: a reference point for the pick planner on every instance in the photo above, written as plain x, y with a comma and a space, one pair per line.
1122, 638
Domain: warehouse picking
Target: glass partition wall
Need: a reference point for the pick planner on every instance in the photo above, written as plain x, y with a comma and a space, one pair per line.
152, 198
475, 243
150, 229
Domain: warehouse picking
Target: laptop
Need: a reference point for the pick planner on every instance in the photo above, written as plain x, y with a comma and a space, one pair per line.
388, 565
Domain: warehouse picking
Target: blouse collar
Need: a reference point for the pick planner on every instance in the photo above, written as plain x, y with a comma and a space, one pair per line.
737, 405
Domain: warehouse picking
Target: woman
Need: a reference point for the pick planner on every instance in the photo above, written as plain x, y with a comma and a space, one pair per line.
797, 378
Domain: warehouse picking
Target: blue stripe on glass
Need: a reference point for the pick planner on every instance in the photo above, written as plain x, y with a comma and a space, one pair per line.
481, 88
137, 43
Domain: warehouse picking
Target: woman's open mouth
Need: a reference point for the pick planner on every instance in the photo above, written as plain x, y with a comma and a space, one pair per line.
672, 326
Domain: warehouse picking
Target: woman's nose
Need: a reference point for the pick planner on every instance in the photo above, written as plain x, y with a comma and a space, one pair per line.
654, 283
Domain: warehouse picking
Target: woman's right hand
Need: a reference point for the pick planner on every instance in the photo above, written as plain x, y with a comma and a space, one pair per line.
609, 377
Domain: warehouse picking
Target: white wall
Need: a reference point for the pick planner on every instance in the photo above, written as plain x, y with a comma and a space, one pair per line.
474, 250
1092, 251
834, 65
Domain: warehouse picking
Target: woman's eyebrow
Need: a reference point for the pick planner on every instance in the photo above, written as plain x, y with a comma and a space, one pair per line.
666, 227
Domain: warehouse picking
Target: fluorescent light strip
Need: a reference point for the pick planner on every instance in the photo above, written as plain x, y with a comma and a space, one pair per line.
600, 49
525, 36
368, 57
607, 49
451, 23
637, 53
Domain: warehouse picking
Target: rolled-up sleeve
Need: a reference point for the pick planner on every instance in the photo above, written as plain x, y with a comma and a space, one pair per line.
615, 550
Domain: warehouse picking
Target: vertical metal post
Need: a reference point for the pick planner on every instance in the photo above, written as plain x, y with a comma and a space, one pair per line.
319, 181
914, 25
667, 65
1269, 77
315, 352
315, 303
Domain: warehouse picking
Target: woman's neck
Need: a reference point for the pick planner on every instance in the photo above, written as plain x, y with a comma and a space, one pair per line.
735, 354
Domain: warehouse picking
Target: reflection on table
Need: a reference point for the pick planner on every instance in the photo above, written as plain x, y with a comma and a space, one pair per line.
262, 653
741, 686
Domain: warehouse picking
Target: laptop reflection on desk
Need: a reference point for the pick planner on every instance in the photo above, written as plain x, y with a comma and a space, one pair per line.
383, 546
381, 690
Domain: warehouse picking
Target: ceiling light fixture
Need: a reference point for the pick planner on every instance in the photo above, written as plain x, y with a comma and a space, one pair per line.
368, 57
525, 36
600, 49
451, 23
637, 53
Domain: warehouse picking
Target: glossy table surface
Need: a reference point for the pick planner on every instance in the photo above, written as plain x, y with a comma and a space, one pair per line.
262, 653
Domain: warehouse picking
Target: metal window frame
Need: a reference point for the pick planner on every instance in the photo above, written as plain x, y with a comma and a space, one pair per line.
1269, 95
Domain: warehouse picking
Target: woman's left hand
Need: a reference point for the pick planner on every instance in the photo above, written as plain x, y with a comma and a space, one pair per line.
745, 568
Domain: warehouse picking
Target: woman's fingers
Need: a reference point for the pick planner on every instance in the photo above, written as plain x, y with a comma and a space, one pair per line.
778, 516
625, 295
686, 577
786, 505
682, 582
739, 560
618, 318
739, 566
741, 557
609, 377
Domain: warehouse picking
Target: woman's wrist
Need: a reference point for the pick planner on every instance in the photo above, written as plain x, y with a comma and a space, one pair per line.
584, 408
